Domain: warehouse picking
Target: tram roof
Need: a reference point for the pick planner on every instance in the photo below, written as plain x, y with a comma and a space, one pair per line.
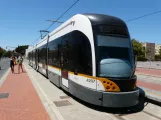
105, 19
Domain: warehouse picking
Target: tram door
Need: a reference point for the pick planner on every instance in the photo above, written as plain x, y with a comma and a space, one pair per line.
64, 62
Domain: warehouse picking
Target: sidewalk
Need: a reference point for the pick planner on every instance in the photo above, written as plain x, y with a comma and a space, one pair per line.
19, 100
151, 88
151, 72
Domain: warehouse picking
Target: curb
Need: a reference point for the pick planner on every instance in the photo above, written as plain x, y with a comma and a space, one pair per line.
153, 100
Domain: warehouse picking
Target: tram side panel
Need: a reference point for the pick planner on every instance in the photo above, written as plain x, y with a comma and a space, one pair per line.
54, 70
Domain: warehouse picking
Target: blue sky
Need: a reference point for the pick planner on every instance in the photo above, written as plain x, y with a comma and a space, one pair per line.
20, 20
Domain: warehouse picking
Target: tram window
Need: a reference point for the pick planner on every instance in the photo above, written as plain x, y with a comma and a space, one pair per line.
113, 47
67, 49
36, 57
50, 52
65, 52
30, 56
106, 52
81, 52
33, 55
39, 55
53, 53
76, 50
42, 54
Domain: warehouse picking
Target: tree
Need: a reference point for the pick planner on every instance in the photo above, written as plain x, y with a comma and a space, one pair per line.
7, 54
157, 57
138, 50
160, 52
1, 52
21, 49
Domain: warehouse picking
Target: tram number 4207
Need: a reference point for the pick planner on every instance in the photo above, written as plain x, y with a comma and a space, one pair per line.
90, 80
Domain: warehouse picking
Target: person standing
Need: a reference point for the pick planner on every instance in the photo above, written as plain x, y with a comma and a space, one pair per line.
20, 61
12, 64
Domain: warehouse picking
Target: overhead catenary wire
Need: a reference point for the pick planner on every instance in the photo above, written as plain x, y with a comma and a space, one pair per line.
143, 16
57, 19
62, 14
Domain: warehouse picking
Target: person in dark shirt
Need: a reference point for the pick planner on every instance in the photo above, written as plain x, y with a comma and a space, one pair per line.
12, 64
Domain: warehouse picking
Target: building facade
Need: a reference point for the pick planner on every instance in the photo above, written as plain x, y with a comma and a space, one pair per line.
157, 49
150, 50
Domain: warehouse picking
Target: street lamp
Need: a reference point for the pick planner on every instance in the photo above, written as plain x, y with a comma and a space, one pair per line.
43, 32
10, 47
13, 52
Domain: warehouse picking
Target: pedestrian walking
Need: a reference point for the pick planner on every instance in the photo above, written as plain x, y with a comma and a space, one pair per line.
20, 61
12, 64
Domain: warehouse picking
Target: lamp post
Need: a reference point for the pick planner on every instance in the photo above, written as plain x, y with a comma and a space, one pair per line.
43, 31
13, 50
10, 47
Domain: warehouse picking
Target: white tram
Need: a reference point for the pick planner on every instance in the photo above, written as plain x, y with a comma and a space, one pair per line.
90, 56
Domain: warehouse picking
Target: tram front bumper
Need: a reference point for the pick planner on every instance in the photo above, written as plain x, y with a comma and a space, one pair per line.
120, 99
